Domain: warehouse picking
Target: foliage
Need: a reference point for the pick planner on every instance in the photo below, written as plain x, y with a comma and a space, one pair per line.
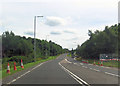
15, 47
100, 42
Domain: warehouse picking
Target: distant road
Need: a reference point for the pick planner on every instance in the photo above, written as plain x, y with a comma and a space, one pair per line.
65, 70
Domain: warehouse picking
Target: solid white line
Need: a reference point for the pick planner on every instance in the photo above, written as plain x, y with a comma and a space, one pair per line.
24, 74
68, 61
76, 79
112, 74
74, 58
14, 80
73, 74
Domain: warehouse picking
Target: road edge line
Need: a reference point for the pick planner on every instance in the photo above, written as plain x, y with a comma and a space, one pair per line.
74, 74
25, 73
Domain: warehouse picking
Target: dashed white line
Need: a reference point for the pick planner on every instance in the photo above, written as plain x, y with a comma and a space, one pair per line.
81, 63
96, 70
85, 67
75, 63
91, 68
112, 74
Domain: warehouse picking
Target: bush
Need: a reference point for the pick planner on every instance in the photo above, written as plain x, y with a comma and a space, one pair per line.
5, 59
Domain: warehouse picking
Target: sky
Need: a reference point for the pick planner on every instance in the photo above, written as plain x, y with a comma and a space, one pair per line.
65, 22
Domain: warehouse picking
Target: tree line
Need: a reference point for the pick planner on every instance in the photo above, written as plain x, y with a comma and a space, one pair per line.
100, 42
14, 45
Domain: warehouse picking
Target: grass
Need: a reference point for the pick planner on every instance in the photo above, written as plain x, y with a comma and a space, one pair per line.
69, 55
4, 74
105, 63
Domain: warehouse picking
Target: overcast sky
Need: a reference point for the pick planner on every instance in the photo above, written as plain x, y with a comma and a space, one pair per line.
65, 21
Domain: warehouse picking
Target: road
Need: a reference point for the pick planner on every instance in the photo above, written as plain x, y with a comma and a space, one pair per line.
65, 70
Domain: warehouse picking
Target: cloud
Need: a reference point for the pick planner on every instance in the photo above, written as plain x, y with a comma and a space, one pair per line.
55, 33
55, 21
71, 32
28, 33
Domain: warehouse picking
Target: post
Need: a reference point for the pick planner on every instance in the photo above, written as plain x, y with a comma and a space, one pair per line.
34, 38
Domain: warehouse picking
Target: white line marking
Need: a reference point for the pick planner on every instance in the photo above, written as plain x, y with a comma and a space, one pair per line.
68, 61
75, 63
112, 74
76, 79
24, 74
74, 58
85, 67
96, 70
74, 75
81, 63
91, 68
17, 77
14, 80
105, 67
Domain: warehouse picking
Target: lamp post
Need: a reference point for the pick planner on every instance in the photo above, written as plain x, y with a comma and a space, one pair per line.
35, 36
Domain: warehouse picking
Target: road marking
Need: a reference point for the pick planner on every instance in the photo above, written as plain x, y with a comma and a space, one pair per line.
105, 67
81, 63
75, 63
84, 66
25, 73
68, 61
112, 74
96, 70
74, 58
91, 68
75, 76
75, 79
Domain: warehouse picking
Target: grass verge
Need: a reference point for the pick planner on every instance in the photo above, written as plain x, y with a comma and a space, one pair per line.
69, 55
4, 74
115, 64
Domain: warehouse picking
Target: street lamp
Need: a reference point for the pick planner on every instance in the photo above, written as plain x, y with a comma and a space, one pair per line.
35, 36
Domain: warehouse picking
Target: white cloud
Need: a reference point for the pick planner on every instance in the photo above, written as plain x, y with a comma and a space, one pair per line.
70, 30
55, 21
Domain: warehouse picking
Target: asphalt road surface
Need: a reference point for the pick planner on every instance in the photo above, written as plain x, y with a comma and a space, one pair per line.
65, 70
